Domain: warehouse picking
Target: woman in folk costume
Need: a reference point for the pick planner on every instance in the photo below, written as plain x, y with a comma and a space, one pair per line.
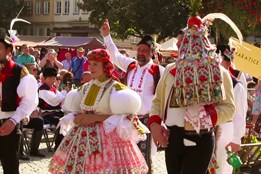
193, 96
103, 138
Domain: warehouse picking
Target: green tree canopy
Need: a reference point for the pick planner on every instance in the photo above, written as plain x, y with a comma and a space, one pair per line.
137, 18
245, 14
165, 18
9, 10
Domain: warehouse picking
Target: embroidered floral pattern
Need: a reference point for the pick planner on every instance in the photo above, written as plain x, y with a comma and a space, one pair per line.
139, 89
136, 123
76, 159
197, 73
93, 94
90, 150
198, 118
93, 139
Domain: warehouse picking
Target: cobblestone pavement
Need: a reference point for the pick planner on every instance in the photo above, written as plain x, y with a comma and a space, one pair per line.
40, 165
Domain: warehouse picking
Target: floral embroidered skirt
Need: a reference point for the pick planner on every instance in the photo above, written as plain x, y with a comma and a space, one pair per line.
89, 150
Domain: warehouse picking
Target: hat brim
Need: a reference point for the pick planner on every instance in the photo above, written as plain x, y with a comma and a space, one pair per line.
8, 40
55, 54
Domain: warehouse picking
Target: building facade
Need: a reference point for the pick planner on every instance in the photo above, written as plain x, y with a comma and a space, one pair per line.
63, 18
56, 18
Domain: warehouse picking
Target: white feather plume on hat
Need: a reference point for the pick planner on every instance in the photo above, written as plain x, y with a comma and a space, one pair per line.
12, 32
226, 19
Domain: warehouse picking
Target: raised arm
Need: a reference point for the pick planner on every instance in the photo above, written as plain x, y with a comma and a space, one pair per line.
118, 59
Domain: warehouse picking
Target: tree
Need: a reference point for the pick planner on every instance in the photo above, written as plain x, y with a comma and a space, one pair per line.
165, 18
137, 18
244, 13
10, 9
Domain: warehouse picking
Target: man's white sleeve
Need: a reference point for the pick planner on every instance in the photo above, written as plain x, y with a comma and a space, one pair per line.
27, 91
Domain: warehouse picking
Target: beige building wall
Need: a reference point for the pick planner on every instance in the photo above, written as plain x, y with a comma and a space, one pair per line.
41, 15
64, 12
63, 18
48, 15
69, 20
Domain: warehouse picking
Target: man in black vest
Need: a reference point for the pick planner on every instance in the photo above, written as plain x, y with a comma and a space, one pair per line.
50, 100
18, 98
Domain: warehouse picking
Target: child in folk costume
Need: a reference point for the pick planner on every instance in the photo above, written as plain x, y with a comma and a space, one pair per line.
103, 139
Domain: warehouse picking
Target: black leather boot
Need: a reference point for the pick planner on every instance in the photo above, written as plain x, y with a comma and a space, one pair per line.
58, 138
35, 142
22, 155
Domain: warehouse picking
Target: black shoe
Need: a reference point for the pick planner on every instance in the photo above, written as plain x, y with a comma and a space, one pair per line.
24, 157
37, 154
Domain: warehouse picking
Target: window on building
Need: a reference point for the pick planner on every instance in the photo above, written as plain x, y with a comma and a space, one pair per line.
48, 31
46, 7
75, 7
58, 7
22, 31
66, 7
31, 31
38, 7
135, 39
29, 7
40, 31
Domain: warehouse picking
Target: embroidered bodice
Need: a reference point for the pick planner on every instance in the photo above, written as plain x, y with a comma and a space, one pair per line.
93, 92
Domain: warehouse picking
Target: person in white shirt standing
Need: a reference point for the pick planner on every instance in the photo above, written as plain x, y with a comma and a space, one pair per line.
18, 99
67, 61
140, 77
232, 131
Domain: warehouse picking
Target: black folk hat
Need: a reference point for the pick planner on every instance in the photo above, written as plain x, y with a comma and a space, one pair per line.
4, 38
225, 52
50, 72
148, 40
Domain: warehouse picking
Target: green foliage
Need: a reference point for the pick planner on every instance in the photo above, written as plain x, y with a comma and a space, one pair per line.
137, 18
165, 18
244, 13
253, 139
10, 9
195, 6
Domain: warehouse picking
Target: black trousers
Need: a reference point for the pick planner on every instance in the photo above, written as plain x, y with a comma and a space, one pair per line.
145, 146
9, 147
54, 119
35, 123
181, 159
